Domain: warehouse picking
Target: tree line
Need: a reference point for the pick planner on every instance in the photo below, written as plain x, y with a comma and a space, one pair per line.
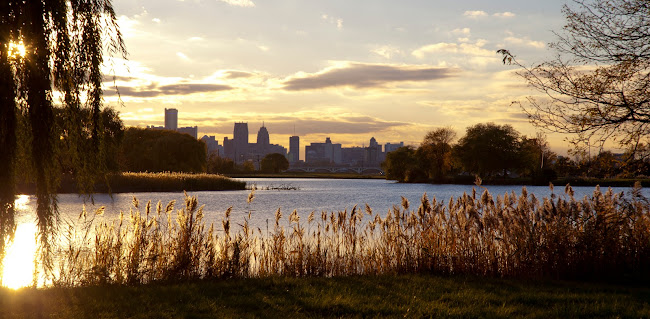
127, 149
498, 153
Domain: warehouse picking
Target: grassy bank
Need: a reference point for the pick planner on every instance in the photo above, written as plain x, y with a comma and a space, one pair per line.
150, 182
408, 296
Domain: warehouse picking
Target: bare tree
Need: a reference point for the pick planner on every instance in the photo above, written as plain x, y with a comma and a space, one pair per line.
598, 86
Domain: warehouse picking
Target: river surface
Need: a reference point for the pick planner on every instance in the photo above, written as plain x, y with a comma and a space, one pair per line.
309, 195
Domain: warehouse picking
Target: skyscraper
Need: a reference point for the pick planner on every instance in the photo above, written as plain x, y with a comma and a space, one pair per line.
263, 137
171, 119
240, 135
294, 149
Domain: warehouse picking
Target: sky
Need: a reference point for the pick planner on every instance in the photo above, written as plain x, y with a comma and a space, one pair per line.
348, 70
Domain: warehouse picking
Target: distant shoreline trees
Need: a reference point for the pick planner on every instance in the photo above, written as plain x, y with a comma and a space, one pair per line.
498, 153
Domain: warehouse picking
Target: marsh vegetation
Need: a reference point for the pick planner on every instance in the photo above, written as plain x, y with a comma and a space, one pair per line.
604, 236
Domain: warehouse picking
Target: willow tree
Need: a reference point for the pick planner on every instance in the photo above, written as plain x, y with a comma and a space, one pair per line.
598, 86
51, 52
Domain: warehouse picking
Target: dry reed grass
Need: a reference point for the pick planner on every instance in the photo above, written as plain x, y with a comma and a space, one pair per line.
605, 235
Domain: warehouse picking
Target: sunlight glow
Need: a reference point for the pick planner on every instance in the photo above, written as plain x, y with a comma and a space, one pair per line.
18, 264
17, 50
21, 202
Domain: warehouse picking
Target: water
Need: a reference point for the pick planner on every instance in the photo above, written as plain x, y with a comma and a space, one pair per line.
311, 195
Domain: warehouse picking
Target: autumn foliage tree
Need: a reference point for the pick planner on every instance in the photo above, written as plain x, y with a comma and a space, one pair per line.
435, 153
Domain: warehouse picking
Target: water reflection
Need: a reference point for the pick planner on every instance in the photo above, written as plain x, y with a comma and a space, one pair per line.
19, 261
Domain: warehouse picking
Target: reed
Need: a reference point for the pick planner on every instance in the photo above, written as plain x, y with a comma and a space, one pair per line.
170, 181
602, 236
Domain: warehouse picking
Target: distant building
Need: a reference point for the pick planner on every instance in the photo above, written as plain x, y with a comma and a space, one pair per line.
239, 150
373, 155
212, 146
389, 147
263, 137
229, 148
294, 149
353, 156
171, 119
190, 130
323, 153
240, 137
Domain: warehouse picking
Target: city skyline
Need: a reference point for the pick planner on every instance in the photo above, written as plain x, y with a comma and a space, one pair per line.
330, 69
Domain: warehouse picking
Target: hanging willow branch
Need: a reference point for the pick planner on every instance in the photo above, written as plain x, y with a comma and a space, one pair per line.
51, 46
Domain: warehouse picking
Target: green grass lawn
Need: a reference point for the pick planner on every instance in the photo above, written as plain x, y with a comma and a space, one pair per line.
410, 296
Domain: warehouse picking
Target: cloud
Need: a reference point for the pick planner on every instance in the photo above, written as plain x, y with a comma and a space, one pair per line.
475, 49
236, 74
475, 14
240, 3
504, 14
336, 21
524, 41
182, 56
360, 75
305, 123
463, 31
386, 51
154, 89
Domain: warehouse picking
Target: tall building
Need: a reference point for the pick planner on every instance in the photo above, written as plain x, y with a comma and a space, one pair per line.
212, 146
240, 137
294, 149
263, 137
190, 130
389, 147
171, 119
323, 153
373, 155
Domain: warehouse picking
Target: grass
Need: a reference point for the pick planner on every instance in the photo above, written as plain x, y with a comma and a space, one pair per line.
408, 296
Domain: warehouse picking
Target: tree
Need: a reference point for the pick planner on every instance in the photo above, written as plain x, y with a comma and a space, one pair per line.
220, 165
274, 163
48, 46
149, 150
488, 149
435, 153
598, 87
402, 165
536, 159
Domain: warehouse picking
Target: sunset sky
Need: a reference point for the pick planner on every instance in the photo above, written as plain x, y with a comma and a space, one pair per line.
345, 69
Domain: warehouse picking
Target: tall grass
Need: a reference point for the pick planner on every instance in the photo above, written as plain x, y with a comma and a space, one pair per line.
605, 235
169, 181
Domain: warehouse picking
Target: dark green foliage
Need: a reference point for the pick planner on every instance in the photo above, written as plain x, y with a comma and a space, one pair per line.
403, 165
274, 163
149, 150
489, 149
220, 165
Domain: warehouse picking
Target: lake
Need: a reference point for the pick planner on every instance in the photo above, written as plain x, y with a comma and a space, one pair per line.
310, 195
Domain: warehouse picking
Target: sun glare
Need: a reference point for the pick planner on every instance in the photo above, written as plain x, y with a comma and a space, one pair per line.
18, 263
17, 50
